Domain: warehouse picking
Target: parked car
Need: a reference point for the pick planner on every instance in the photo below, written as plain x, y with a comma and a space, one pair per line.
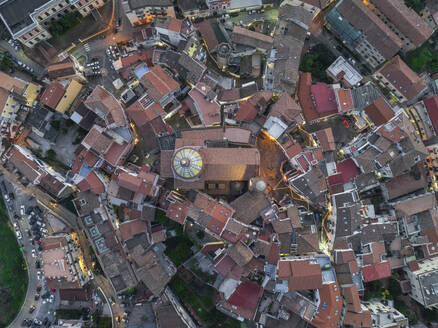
32, 308
22, 210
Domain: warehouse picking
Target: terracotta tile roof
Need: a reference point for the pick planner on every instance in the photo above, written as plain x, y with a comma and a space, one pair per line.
209, 111
240, 253
376, 272
326, 139
61, 69
158, 83
376, 32
230, 164
92, 182
208, 34
97, 141
402, 78
345, 100
330, 307
177, 212
52, 94
351, 296
131, 228
287, 110
246, 112
362, 319
246, 37
301, 274
116, 152
406, 20
379, 111
415, 205
24, 165
11, 83
141, 115
143, 182
106, 106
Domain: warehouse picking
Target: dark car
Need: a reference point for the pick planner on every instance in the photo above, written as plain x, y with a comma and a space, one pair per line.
45, 321
37, 297
32, 308
38, 288
37, 264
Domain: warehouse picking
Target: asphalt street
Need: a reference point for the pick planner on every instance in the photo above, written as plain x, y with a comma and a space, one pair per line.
44, 199
43, 309
38, 69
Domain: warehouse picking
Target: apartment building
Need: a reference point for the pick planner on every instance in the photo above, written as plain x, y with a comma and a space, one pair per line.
403, 21
363, 32
29, 21
144, 11
424, 282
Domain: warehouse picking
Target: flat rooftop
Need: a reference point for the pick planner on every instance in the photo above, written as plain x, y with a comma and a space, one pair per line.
16, 13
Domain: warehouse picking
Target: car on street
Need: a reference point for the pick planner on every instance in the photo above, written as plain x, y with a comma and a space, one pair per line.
32, 308
33, 253
22, 210
37, 321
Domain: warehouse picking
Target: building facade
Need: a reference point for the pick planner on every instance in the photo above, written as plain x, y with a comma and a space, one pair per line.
144, 11
29, 21
424, 283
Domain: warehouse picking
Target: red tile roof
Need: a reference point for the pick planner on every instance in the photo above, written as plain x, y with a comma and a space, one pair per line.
347, 170
324, 98
93, 183
158, 83
52, 95
345, 100
141, 115
305, 98
144, 56
177, 212
432, 109
246, 112
246, 298
379, 111
376, 271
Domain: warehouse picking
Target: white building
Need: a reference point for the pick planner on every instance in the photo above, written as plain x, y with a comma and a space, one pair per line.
424, 282
29, 21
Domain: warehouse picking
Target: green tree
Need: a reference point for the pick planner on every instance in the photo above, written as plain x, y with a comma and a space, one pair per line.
417, 5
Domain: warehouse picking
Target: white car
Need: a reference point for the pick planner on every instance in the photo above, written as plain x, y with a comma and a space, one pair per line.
22, 210
33, 253
39, 275
19, 235
15, 225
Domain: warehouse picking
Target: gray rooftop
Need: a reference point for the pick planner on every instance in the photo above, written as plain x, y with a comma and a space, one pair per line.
16, 13
137, 4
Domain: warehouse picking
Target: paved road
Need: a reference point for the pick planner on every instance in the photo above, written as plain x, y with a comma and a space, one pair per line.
38, 69
42, 310
44, 199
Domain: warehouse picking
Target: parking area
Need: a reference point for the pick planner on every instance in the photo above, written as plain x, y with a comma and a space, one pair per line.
28, 220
